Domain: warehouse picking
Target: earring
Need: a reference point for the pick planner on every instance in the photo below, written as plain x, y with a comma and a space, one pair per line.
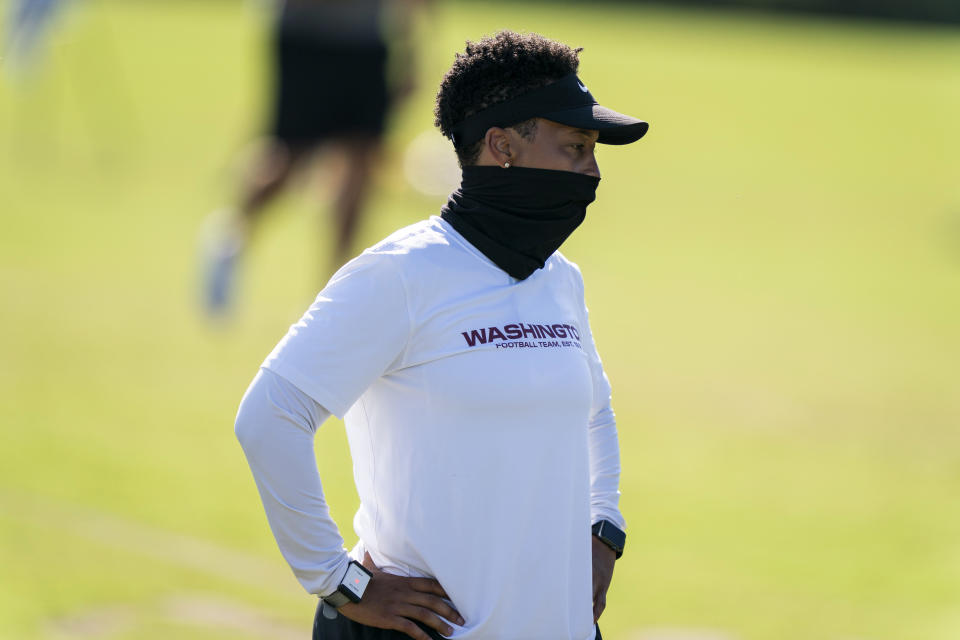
506, 165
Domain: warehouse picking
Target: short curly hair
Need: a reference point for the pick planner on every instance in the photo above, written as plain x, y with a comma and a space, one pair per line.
496, 69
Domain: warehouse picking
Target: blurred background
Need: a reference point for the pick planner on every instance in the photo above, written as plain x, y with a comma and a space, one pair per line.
773, 278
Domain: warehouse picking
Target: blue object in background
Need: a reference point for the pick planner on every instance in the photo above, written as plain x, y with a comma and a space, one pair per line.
29, 23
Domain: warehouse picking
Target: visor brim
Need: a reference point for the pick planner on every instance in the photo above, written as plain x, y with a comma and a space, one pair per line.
614, 128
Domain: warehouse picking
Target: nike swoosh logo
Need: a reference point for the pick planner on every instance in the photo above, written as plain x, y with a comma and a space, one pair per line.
582, 88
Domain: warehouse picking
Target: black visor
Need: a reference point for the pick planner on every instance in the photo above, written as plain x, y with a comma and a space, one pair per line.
566, 101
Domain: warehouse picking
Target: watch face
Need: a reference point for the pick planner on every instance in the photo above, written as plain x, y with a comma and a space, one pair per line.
610, 535
614, 536
356, 580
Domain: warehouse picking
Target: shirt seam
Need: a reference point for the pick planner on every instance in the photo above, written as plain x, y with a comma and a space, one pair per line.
406, 304
373, 474
301, 381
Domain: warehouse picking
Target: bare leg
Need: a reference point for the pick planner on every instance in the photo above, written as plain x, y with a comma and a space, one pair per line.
361, 155
229, 232
270, 172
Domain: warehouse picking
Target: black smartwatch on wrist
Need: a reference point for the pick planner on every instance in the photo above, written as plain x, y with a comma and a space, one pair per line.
610, 535
351, 587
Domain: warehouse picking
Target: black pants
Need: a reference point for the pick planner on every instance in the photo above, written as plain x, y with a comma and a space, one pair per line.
343, 628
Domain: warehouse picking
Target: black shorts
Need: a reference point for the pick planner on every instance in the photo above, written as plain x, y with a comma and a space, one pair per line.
327, 90
342, 628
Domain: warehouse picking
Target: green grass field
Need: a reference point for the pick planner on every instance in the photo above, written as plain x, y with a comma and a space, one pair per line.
773, 276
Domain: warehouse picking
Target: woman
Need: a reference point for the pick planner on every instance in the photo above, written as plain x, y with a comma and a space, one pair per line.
459, 353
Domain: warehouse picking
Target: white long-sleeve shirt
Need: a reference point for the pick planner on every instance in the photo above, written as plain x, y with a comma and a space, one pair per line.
479, 423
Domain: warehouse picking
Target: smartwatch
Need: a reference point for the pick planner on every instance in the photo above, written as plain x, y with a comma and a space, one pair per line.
610, 535
351, 587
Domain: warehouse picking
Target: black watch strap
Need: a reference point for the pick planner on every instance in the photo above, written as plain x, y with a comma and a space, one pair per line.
610, 535
337, 599
351, 587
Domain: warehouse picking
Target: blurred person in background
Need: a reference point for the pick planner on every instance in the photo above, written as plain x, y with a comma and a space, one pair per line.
459, 353
339, 67
28, 25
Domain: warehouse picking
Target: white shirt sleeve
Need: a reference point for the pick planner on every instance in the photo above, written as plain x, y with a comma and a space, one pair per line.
275, 425
354, 332
602, 436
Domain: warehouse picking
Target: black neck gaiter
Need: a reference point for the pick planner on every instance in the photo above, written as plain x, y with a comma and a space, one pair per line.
518, 217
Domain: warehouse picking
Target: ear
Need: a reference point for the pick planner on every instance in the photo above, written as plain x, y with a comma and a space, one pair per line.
497, 143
